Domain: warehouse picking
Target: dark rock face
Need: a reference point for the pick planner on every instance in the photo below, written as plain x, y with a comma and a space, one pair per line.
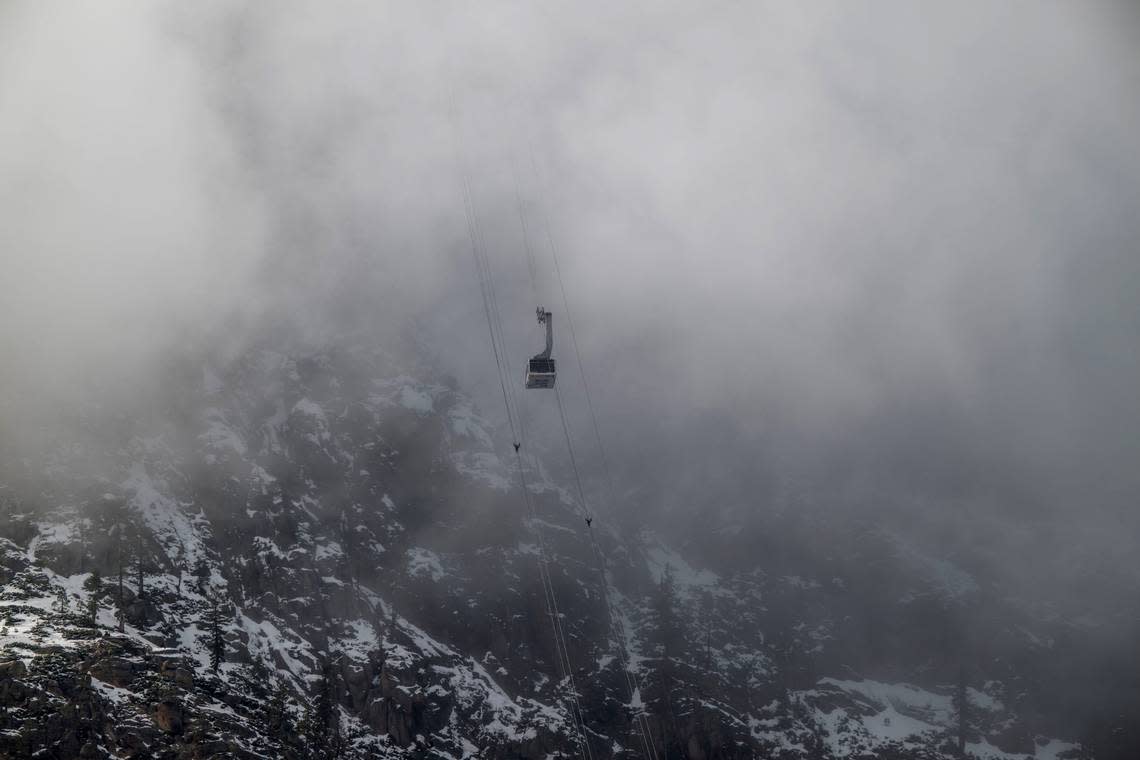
168, 717
115, 671
322, 554
12, 669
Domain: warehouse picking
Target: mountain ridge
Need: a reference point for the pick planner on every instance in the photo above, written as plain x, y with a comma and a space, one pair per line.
345, 525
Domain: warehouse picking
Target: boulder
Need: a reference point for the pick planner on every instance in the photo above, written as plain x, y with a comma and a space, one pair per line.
114, 670
176, 672
13, 669
168, 716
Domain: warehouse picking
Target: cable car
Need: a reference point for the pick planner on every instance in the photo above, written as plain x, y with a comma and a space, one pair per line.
540, 371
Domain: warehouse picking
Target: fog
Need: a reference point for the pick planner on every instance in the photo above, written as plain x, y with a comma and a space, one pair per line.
886, 249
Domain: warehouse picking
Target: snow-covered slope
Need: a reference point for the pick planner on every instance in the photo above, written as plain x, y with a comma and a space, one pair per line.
323, 553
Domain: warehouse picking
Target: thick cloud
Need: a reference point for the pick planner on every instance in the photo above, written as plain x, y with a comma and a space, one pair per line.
886, 245
127, 221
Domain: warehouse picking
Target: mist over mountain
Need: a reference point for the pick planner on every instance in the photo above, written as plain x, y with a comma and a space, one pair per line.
856, 295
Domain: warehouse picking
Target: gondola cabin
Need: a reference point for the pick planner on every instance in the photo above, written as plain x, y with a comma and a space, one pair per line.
540, 369
540, 373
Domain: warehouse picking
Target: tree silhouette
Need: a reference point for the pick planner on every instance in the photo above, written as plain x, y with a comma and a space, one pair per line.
94, 586
277, 715
215, 636
320, 730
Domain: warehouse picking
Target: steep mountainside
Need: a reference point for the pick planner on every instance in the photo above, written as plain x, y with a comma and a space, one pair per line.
326, 553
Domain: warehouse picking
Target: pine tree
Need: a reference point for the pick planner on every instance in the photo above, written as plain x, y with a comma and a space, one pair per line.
668, 635
140, 565
669, 641
320, 730
215, 636
964, 720
62, 604
84, 542
708, 610
94, 583
257, 679
121, 612
93, 611
277, 715
94, 587
961, 704
201, 574
783, 651
314, 728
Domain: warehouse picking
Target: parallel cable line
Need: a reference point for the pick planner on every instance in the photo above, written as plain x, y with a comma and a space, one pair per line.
618, 633
494, 326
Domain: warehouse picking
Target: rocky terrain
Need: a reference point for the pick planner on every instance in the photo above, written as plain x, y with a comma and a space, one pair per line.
319, 553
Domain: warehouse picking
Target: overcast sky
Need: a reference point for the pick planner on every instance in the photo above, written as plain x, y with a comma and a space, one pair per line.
887, 241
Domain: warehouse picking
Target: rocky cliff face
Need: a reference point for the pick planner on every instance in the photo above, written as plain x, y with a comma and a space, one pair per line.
326, 553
